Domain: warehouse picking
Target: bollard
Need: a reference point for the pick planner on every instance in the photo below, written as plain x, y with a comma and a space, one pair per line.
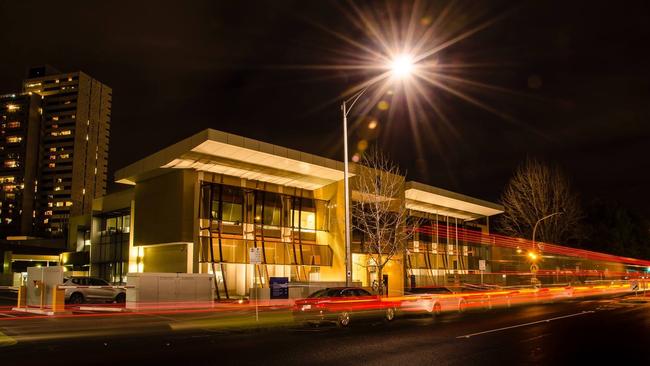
58, 300
22, 297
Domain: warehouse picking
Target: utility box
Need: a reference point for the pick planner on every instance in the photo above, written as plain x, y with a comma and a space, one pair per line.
166, 288
41, 284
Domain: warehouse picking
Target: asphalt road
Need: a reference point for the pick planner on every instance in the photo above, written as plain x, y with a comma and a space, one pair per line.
612, 330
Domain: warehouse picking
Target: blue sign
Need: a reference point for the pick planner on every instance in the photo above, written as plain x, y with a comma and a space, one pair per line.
279, 287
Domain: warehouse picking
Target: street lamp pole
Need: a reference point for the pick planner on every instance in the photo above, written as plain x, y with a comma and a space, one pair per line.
534, 257
540, 220
400, 67
346, 184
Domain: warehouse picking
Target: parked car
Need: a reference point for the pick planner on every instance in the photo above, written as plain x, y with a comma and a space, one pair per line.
88, 294
341, 304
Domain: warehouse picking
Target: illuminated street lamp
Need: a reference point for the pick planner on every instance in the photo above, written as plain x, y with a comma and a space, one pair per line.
399, 68
534, 256
540, 220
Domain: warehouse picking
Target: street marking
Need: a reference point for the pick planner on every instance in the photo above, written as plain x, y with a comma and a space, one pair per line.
526, 324
7, 315
5, 340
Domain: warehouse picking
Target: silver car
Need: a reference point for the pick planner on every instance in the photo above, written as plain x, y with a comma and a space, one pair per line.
84, 294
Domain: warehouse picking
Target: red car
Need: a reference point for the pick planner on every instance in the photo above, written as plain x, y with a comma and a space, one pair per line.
341, 304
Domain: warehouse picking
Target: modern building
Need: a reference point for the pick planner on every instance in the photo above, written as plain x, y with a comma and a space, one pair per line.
73, 149
199, 205
20, 120
53, 163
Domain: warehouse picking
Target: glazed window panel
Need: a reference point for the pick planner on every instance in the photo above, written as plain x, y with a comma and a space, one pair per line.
236, 251
304, 214
272, 208
232, 199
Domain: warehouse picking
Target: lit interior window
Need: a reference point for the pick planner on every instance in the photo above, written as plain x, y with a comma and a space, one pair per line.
14, 139
11, 164
9, 187
13, 124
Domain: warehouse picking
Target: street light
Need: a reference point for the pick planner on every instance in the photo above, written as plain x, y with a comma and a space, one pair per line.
400, 67
534, 256
540, 220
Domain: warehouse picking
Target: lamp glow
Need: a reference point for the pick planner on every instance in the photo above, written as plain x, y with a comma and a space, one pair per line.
402, 66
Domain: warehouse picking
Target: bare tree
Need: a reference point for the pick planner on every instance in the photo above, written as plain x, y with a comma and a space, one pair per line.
378, 210
535, 191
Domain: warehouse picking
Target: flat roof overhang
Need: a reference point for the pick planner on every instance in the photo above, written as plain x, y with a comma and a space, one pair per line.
224, 153
425, 198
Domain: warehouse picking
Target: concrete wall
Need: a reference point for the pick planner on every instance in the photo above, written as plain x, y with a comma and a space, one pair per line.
168, 287
165, 208
172, 258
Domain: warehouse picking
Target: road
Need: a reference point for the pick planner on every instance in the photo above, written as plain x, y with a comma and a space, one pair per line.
569, 332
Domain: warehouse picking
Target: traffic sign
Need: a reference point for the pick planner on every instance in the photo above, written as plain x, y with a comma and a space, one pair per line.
255, 255
481, 265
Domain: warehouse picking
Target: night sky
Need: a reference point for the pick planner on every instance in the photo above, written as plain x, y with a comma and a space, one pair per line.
571, 78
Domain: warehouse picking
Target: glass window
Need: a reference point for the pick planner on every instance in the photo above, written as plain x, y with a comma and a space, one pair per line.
349, 292
232, 199
328, 292
98, 282
362, 292
272, 208
11, 164
304, 214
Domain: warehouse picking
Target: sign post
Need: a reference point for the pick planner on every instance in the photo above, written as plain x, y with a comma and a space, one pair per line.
481, 267
255, 258
635, 287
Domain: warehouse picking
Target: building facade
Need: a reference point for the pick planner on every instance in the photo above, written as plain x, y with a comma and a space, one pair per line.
20, 120
73, 149
199, 205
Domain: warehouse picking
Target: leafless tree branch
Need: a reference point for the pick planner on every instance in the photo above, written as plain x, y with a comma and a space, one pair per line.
378, 209
537, 190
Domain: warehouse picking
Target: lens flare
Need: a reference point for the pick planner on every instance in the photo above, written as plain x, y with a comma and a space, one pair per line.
402, 66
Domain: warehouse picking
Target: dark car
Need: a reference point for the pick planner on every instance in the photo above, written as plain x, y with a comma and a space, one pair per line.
341, 304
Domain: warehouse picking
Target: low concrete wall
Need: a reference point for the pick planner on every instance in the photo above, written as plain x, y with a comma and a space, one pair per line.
165, 288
